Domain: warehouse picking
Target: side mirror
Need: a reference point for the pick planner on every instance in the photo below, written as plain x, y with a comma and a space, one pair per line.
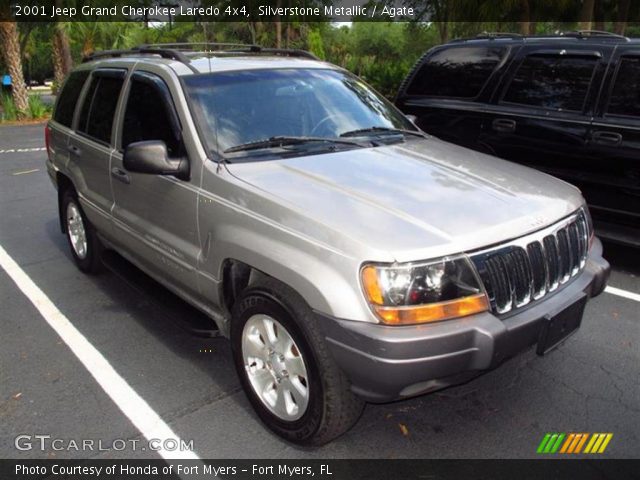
151, 157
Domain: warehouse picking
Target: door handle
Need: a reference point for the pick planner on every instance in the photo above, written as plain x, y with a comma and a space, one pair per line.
120, 175
504, 125
73, 149
606, 138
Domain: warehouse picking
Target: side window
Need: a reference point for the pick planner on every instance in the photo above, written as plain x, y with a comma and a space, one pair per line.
558, 82
625, 96
459, 72
99, 108
147, 115
69, 97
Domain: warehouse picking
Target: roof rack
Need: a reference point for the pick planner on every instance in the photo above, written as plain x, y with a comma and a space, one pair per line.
180, 51
593, 34
493, 35
583, 34
163, 52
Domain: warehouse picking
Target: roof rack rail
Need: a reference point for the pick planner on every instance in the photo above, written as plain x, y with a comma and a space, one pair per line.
232, 49
490, 36
163, 52
180, 51
593, 34
499, 35
198, 46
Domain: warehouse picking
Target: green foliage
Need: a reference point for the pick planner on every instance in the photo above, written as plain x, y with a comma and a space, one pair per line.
9, 111
315, 44
37, 108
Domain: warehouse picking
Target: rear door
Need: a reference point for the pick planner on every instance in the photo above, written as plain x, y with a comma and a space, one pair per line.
613, 190
155, 216
542, 112
448, 90
91, 144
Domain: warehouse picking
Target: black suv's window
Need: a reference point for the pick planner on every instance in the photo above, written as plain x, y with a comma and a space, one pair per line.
558, 82
459, 72
147, 117
625, 97
69, 97
99, 108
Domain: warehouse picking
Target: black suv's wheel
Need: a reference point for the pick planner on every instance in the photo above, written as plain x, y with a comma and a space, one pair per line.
83, 241
285, 368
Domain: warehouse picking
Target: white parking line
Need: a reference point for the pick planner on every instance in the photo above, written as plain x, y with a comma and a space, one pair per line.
623, 293
128, 401
21, 150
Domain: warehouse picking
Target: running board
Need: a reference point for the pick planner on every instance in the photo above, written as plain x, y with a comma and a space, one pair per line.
175, 309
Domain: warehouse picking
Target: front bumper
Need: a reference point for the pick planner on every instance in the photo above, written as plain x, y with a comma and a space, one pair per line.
386, 363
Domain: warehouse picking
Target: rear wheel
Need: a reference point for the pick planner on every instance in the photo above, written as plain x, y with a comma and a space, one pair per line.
81, 236
286, 370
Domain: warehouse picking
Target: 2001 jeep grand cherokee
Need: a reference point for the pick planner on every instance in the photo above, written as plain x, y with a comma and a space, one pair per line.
348, 256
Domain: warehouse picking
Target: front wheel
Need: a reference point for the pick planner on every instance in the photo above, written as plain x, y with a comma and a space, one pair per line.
285, 368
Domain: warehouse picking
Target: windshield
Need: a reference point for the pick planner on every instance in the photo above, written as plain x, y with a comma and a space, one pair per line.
241, 107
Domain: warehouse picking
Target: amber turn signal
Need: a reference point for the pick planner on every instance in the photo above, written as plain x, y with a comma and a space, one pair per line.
434, 312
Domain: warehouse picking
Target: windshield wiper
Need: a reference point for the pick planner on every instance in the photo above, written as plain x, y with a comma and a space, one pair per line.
374, 130
283, 141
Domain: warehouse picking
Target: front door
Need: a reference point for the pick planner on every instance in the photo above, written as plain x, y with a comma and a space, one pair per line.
155, 216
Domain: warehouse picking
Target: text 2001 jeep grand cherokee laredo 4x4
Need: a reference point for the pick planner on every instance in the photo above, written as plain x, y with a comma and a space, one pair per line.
348, 256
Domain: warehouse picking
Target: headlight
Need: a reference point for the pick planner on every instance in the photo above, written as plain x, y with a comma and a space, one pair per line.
424, 292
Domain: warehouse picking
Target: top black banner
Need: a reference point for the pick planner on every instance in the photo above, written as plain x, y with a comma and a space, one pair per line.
588, 13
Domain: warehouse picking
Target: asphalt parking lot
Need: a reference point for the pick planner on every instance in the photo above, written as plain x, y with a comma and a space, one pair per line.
589, 384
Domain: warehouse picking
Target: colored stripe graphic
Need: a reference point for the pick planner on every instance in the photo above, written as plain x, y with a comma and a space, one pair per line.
573, 443
583, 439
543, 443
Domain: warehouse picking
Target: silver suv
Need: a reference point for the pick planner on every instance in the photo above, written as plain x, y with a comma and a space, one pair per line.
348, 256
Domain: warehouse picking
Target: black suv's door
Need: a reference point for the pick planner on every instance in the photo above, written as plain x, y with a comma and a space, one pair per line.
447, 89
613, 190
542, 112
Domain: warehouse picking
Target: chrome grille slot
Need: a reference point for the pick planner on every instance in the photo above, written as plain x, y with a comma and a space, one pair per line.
527, 269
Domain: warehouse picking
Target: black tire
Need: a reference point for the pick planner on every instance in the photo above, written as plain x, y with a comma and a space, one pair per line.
332, 408
90, 262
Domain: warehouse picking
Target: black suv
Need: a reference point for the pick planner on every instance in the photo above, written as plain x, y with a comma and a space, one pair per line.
567, 104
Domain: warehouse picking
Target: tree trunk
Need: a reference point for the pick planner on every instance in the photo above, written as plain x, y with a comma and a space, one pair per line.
278, 27
620, 24
13, 60
525, 17
62, 63
586, 15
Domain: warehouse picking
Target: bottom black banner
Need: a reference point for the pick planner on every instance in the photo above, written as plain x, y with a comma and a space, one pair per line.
546, 469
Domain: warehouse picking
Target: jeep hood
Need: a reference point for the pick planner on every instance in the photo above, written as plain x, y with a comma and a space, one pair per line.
409, 201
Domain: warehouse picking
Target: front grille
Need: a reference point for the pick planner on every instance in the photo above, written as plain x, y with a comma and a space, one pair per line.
524, 270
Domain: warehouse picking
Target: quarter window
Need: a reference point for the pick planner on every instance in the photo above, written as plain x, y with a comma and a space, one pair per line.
147, 118
558, 82
459, 72
625, 97
69, 97
99, 108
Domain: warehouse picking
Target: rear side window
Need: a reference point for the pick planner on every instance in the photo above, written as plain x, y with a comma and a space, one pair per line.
557, 82
99, 108
146, 116
456, 72
69, 97
625, 96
